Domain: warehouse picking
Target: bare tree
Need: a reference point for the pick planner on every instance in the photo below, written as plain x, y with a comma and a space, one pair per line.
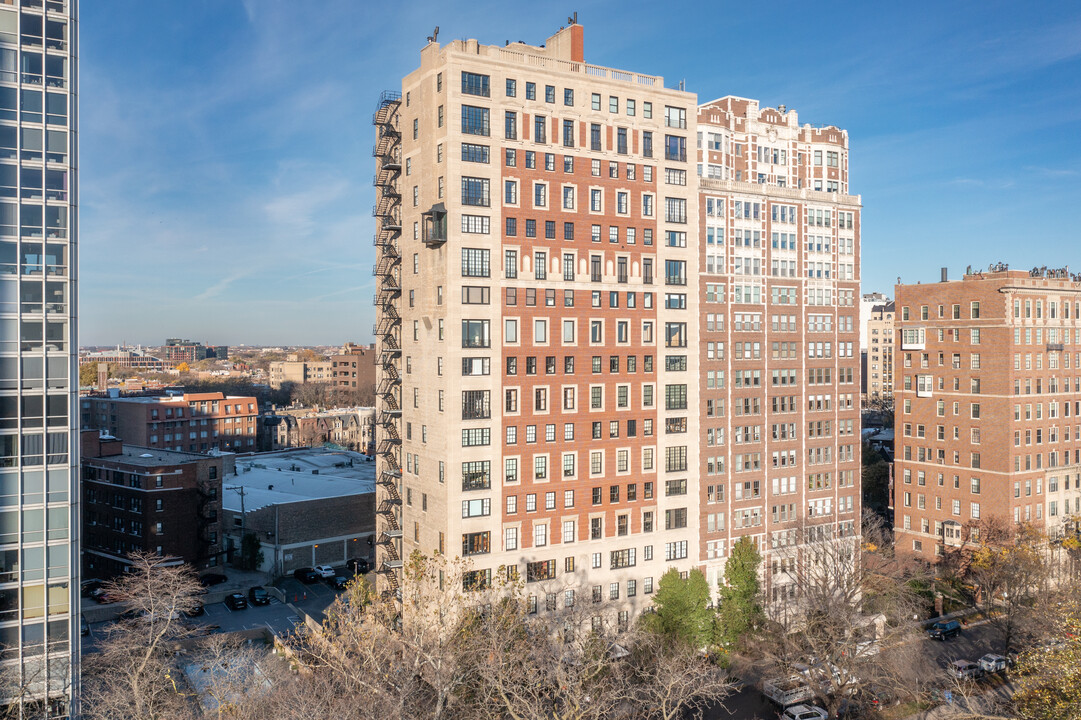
410, 660
226, 674
1009, 569
556, 666
132, 675
460, 643
844, 616
671, 680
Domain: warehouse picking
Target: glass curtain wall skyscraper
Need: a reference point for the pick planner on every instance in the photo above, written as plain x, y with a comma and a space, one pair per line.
38, 346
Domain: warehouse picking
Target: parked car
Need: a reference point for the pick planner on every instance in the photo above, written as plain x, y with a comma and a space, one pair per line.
944, 630
359, 566
965, 670
337, 582
325, 571
100, 596
236, 601
86, 587
195, 611
212, 579
258, 596
306, 575
805, 712
991, 663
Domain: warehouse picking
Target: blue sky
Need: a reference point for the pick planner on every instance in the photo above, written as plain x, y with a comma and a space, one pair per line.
226, 146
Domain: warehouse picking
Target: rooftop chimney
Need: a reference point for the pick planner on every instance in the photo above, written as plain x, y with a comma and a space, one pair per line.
945, 275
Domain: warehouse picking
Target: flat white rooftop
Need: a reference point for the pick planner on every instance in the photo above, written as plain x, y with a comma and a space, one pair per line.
290, 476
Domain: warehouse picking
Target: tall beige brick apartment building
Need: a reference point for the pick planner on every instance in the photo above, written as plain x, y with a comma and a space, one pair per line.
987, 400
592, 361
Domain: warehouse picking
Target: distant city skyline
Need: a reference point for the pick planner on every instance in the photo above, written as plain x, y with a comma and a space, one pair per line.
226, 174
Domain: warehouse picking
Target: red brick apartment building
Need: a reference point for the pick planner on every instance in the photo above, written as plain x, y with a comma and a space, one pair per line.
146, 499
988, 405
354, 367
779, 258
193, 422
562, 294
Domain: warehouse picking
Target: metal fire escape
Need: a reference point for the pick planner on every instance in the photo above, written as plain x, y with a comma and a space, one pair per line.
388, 333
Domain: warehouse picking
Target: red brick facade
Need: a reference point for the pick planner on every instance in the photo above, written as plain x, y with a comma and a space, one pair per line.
988, 394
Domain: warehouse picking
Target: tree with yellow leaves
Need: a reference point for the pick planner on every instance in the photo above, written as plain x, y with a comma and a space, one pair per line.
1010, 570
1049, 678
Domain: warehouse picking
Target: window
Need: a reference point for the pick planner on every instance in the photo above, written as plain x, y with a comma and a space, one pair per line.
475, 334
675, 148
474, 84
475, 191
539, 134
475, 262
675, 117
475, 120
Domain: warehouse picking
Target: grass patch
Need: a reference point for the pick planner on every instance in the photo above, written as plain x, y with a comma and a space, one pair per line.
897, 712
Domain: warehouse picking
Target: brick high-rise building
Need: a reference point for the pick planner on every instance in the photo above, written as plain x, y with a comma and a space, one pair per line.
540, 409
779, 254
988, 396
561, 302
39, 559
878, 372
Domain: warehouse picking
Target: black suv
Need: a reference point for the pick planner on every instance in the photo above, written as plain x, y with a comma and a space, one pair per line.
359, 566
258, 596
236, 601
944, 630
306, 575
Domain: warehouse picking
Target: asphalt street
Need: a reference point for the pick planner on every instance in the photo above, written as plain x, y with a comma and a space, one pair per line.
973, 642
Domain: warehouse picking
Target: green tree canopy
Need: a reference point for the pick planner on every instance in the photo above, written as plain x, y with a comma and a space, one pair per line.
681, 609
739, 610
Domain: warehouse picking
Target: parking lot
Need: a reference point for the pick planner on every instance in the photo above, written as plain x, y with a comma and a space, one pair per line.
312, 599
277, 617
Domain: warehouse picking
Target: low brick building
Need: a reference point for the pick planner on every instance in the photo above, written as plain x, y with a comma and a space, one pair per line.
146, 499
350, 428
192, 422
307, 507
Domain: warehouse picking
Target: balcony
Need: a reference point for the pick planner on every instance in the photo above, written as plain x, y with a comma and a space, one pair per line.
434, 222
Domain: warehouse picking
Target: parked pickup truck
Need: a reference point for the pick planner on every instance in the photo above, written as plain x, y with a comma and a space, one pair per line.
788, 690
